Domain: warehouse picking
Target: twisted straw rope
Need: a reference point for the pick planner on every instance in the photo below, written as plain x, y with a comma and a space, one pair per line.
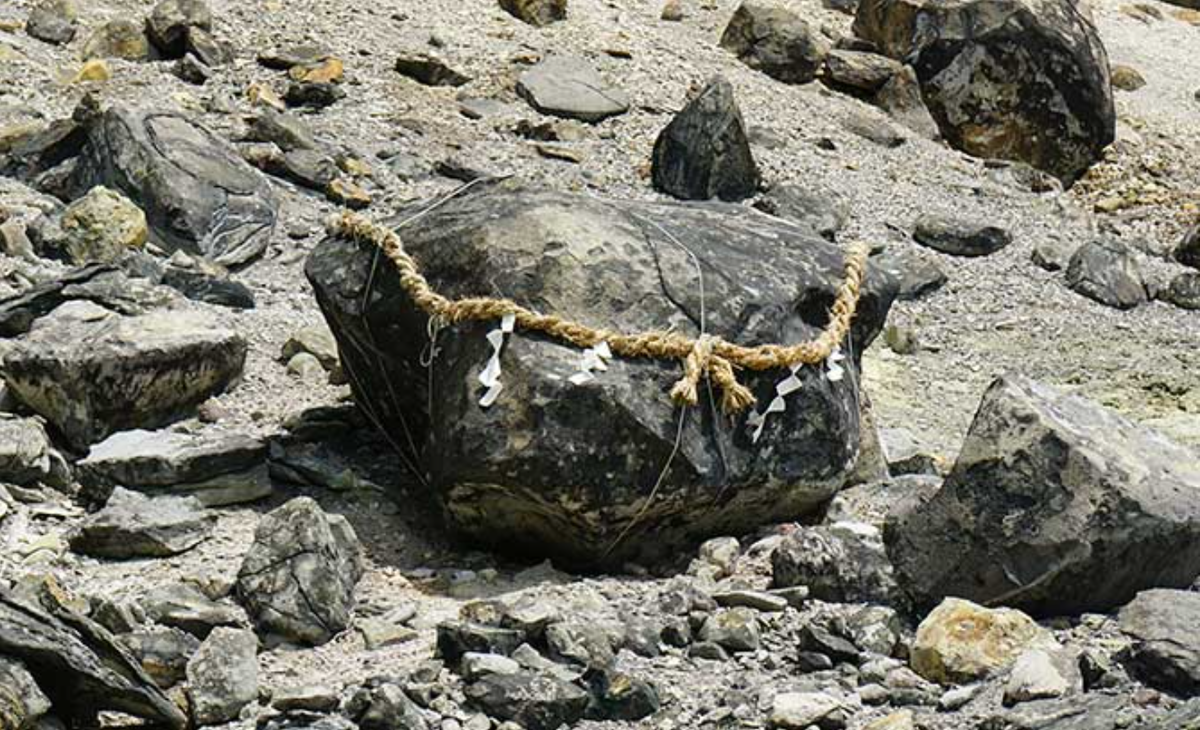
708, 356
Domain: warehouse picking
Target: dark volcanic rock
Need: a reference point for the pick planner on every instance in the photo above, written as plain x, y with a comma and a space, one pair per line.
1055, 505
1188, 250
840, 563
704, 152
1166, 648
959, 236
533, 471
429, 70
171, 21
1014, 79
1107, 272
78, 666
819, 212
197, 193
776, 41
313, 94
297, 580
534, 701
1184, 291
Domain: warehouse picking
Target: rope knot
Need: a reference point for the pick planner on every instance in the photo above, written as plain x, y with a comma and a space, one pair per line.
703, 362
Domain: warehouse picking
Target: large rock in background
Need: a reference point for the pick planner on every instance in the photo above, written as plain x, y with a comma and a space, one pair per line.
197, 193
1056, 505
1014, 79
559, 469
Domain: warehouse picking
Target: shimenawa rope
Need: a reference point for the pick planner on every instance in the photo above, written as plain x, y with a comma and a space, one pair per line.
705, 357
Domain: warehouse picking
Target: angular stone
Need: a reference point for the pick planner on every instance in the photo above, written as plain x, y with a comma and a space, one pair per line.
818, 212
132, 525
1108, 272
960, 642
313, 94
1029, 515
98, 284
1184, 291
758, 600
285, 130
841, 563
93, 378
536, 12
164, 652
184, 606
198, 195
102, 226
587, 643
25, 451
1166, 649
223, 676
171, 20
389, 708
218, 469
801, 710
859, 72
298, 578
53, 21
704, 152
505, 481
75, 662
960, 236
1187, 252
617, 696
565, 86
475, 666
735, 629
534, 701
1013, 79
22, 703
1127, 78
429, 70
1036, 676
117, 39
776, 41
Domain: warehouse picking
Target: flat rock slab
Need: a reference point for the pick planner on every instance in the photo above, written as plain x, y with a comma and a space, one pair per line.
564, 86
1056, 505
535, 471
91, 377
133, 525
100, 284
1166, 649
79, 667
217, 468
197, 193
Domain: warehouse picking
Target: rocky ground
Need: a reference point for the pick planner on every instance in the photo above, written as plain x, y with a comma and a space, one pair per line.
244, 604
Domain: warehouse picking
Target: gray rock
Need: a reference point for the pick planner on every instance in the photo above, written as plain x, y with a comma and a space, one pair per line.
1013, 79
534, 701
1107, 272
758, 600
310, 697
99, 284
735, 629
26, 455
1028, 515
171, 21
776, 41
801, 710
184, 606
918, 276
163, 651
617, 696
704, 152
589, 643
815, 211
1188, 250
506, 481
565, 86
905, 454
132, 525
457, 638
286, 131
1184, 291
1166, 649
200, 280
76, 663
93, 377
22, 703
298, 578
118, 38
390, 709
223, 676
198, 195
874, 629
1037, 675
52, 21
192, 70
536, 12
960, 236
307, 168
874, 128
859, 72
901, 98
429, 70
1052, 255
841, 563
216, 468
476, 665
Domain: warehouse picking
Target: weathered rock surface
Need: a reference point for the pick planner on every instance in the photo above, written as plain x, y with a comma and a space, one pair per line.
536, 12
297, 580
776, 41
1184, 291
1039, 674
513, 474
960, 236
25, 451
53, 21
843, 563
184, 606
171, 22
119, 38
824, 216
78, 666
1166, 648
22, 702
534, 701
704, 152
1014, 79
164, 652
98, 284
132, 525
1055, 505
564, 86
223, 676
102, 226
1107, 272
197, 193
961, 642
218, 469
1187, 252
92, 377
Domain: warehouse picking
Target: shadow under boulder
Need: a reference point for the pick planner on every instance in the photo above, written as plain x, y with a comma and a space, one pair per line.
564, 464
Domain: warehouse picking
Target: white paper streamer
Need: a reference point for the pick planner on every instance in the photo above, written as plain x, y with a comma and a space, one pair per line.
595, 359
834, 365
783, 389
489, 377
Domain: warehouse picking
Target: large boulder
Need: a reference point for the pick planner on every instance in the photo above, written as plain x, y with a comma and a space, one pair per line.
94, 373
197, 192
960, 642
1055, 505
559, 468
1014, 79
776, 41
